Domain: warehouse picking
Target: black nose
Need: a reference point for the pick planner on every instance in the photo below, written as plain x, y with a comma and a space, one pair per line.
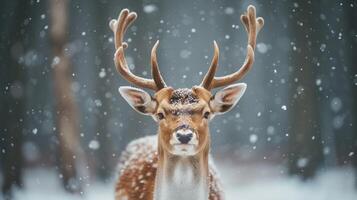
184, 138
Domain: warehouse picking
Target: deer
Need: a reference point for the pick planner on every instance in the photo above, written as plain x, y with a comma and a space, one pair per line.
175, 163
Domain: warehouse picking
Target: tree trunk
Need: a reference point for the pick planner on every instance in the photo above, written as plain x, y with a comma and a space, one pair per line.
12, 132
66, 111
305, 149
12, 101
351, 48
105, 163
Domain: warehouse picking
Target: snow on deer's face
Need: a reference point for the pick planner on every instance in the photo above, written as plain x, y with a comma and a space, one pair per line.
183, 114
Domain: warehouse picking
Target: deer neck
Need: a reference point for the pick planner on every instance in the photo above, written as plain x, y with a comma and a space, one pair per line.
181, 177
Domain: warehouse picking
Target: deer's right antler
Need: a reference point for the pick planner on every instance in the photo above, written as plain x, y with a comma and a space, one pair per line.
119, 28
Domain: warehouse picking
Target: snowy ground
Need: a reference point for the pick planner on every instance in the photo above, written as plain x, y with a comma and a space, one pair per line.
267, 183
240, 183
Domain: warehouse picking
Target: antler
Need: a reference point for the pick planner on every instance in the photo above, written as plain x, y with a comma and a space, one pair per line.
119, 28
252, 26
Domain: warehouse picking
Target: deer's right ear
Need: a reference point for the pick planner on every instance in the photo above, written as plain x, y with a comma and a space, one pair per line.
138, 99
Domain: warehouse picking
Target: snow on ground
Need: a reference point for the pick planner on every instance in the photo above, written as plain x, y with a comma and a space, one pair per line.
240, 183
267, 183
43, 184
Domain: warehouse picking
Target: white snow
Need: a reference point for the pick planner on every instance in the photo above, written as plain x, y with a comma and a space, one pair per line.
150, 8
250, 182
270, 130
102, 73
229, 10
255, 183
94, 144
44, 184
318, 82
262, 48
56, 60
253, 138
34, 131
336, 104
322, 47
185, 54
302, 162
259, 114
283, 107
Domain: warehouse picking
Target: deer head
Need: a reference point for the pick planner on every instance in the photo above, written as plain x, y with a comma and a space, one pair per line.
183, 115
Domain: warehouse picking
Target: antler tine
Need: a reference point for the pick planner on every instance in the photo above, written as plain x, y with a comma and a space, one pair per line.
252, 34
260, 24
252, 26
129, 20
206, 82
156, 75
119, 27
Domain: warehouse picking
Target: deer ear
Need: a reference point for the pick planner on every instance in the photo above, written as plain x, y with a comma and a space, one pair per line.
138, 99
226, 98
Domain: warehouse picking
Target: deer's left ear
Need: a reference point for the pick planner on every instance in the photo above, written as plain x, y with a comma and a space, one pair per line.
138, 99
226, 98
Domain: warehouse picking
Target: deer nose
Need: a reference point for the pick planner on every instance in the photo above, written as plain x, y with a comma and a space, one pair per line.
184, 138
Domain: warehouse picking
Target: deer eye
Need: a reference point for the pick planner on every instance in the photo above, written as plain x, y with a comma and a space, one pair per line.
206, 115
160, 116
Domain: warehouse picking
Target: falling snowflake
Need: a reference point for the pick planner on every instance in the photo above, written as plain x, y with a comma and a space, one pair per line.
302, 162
34, 131
102, 73
318, 82
94, 144
336, 104
253, 138
150, 8
262, 48
229, 10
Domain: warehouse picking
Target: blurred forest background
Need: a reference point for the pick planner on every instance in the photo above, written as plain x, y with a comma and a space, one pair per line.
60, 107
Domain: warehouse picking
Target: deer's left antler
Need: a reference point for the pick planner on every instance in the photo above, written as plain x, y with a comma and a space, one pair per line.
252, 26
